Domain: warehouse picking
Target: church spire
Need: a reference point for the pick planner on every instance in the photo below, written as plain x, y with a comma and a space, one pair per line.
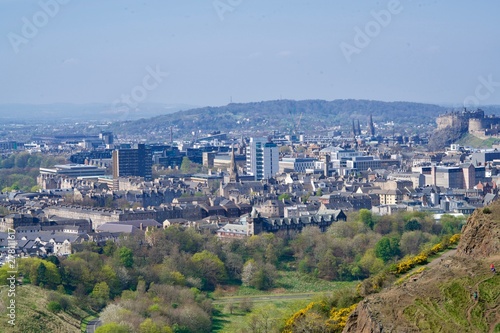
371, 127
233, 169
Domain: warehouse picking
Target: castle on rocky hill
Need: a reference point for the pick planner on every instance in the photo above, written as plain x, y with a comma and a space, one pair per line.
474, 122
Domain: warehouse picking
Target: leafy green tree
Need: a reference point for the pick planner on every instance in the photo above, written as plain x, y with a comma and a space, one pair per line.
187, 166
101, 291
451, 224
387, 248
365, 216
41, 276
32, 269
126, 256
210, 268
284, 196
412, 225
149, 326
109, 249
112, 328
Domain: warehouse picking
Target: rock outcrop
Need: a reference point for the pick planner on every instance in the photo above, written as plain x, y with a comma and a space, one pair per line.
481, 235
435, 300
363, 320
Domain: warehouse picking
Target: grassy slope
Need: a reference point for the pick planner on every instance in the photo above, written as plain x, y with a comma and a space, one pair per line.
473, 141
33, 316
294, 291
455, 310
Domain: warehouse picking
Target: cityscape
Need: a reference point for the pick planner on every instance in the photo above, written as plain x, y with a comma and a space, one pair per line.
255, 186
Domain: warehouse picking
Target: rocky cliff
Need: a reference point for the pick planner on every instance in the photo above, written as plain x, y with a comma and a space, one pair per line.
439, 299
481, 234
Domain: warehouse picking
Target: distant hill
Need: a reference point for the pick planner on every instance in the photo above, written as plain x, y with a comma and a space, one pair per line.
287, 116
441, 297
95, 111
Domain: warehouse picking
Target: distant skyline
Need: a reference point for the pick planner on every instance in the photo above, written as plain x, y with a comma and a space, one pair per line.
210, 52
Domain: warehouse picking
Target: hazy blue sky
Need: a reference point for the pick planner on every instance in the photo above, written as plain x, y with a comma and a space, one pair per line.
98, 50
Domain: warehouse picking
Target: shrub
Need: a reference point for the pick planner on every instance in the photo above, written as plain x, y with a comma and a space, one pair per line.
54, 306
454, 239
246, 305
486, 210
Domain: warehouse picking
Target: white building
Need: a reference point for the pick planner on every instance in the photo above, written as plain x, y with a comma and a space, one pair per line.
288, 164
262, 158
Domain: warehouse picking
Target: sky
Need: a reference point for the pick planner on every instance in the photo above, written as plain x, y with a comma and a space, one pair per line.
211, 52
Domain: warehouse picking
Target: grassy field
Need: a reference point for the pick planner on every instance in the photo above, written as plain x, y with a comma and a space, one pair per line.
32, 314
289, 282
274, 313
293, 291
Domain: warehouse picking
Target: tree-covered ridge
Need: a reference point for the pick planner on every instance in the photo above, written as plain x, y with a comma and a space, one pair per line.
287, 115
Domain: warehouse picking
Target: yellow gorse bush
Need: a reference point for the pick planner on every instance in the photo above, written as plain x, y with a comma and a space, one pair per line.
408, 263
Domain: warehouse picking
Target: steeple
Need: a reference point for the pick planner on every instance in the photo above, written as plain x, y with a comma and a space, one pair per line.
353, 129
371, 127
233, 169
359, 128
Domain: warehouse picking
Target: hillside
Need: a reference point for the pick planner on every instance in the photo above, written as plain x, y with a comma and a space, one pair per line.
33, 316
440, 298
285, 115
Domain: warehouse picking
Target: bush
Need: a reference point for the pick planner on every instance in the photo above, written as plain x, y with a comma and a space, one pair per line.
54, 306
454, 239
486, 210
246, 305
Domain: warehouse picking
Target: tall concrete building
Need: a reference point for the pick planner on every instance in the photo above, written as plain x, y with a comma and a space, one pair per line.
262, 158
133, 162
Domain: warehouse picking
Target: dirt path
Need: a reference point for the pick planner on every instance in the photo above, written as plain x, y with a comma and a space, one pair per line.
497, 317
265, 298
476, 288
440, 259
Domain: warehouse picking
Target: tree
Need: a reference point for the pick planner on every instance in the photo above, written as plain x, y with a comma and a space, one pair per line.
112, 328
285, 150
258, 275
412, 225
187, 166
210, 268
149, 326
248, 272
101, 291
126, 256
284, 196
365, 216
230, 307
246, 304
451, 224
387, 248
41, 277
411, 241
